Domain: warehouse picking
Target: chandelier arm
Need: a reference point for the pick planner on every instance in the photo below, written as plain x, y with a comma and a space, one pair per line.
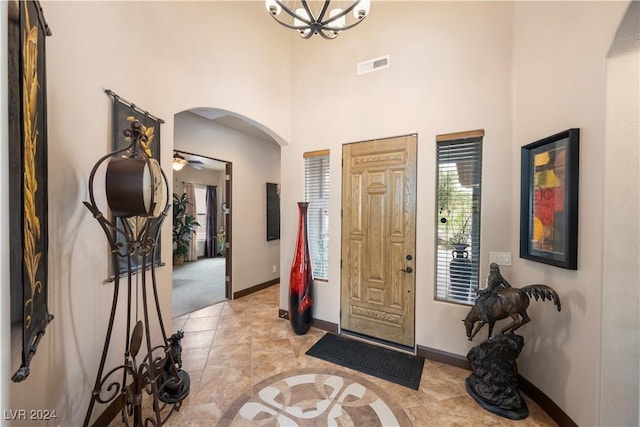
346, 27
330, 36
307, 35
323, 31
292, 27
340, 15
293, 15
325, 6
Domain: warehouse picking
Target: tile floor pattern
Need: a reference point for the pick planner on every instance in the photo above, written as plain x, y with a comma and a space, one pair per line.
230, 347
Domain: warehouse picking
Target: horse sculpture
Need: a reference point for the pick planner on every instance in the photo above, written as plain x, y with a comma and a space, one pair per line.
509, 302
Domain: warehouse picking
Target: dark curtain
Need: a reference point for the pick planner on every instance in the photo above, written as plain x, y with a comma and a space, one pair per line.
212, 219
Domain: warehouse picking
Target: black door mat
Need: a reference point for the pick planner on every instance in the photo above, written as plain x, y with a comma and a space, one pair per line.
399, 368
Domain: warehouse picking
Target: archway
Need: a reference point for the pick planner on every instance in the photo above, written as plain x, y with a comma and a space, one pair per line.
212, 136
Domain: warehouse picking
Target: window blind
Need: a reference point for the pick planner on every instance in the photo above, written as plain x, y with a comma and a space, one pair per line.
316, 192
459, 159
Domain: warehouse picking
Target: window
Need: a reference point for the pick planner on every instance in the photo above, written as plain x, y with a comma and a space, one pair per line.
316, 192
458, 179
201, 211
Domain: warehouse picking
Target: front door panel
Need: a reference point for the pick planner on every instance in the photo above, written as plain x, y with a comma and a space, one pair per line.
378, 239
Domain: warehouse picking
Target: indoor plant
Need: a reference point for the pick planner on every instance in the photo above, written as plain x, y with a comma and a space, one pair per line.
221, 238
184, 226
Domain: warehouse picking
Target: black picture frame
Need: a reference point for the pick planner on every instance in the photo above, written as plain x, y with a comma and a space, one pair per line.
123, 113
549, 200
273, 212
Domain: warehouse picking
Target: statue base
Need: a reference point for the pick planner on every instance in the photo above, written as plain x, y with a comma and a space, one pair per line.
175, 389
493, 382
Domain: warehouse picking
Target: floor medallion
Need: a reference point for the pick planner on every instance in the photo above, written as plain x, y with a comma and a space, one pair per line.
312, 397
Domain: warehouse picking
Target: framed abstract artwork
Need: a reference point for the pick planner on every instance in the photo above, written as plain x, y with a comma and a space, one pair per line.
549, 200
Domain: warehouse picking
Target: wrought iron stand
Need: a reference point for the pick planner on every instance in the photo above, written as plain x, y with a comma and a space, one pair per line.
158, 374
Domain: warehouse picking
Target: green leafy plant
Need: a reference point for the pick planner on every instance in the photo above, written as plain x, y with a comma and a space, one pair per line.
461, 230
184, 226
221, 238
456, 212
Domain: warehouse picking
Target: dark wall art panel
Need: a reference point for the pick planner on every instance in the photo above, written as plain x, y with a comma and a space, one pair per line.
273, 212
28, 217
124, 113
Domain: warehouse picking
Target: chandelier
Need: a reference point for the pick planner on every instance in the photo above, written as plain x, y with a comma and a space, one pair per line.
314, 17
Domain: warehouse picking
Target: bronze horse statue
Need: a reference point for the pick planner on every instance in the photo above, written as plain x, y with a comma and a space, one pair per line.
508, 302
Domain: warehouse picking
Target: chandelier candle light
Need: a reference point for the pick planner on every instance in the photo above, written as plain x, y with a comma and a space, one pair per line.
314, 17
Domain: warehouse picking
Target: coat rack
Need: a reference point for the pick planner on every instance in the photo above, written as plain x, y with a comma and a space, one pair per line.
137, 189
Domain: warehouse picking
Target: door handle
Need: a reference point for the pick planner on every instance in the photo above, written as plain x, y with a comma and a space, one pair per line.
407, 270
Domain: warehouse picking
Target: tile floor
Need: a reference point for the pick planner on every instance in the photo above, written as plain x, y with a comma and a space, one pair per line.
231, 346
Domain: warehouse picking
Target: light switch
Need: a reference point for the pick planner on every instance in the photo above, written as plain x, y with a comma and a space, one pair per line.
500, 258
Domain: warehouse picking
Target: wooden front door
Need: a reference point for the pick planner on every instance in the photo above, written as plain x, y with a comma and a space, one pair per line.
378, 239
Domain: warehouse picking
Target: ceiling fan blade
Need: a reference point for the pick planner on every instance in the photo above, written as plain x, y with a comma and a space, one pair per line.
196, 164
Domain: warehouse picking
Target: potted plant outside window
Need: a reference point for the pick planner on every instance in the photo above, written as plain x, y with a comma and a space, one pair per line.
461, 231
184, 227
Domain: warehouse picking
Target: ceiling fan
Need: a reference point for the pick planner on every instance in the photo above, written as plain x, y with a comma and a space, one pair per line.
179, 162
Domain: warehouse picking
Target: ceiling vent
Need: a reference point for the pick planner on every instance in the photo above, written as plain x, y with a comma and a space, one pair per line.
373, 65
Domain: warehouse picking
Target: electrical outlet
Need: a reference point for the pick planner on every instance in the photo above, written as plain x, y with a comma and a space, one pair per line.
274, 269
500, 258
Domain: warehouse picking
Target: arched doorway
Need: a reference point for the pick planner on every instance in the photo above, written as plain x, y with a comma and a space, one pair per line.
206, 137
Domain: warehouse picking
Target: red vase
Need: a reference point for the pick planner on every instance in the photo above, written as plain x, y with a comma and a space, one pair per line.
301, 279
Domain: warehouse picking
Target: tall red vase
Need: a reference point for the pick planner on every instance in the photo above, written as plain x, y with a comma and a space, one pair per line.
301, 279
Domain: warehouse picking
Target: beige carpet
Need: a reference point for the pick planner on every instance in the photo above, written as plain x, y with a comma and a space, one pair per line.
198, 284
315, 397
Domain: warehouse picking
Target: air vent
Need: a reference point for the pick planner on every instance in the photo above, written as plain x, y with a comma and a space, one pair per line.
373, 65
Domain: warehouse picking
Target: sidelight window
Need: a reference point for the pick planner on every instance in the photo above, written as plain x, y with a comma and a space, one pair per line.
459, 158
316, 192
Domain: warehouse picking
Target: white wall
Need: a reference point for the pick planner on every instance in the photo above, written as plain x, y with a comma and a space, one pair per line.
202, 177
559, 83
620, 349
449, 71
255, 162
166, 57
520, 71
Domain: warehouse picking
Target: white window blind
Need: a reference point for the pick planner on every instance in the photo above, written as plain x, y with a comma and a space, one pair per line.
459, 179
316, 192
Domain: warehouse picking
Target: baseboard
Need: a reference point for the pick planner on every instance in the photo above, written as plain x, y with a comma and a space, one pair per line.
444, 357
316, 323
545, 402
325, 326
256, 288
